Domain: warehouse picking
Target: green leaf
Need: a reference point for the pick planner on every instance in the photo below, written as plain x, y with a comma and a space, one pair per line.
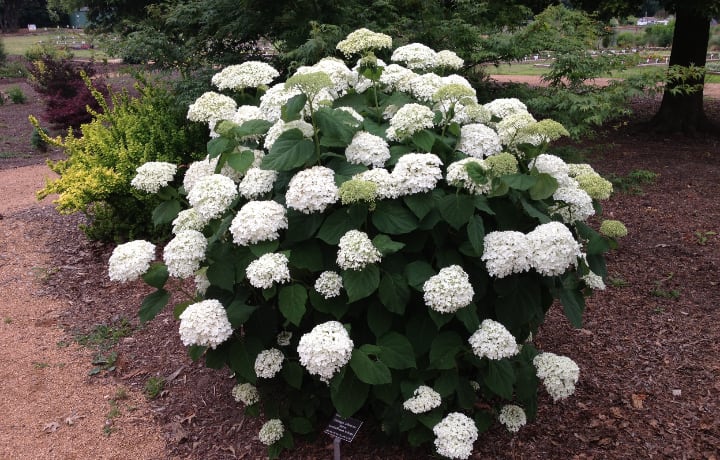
221, 273
440, 319
238, 312
307, 256
157, 275
241, 161
481, 204
420, 330
500, 378
292, 372
334, 127
220, 145
457, 209
476, 233
300, 425
386, 245
336, 306
291, 110
166, 212
444, 349
396, 351
476, 173
292, 300
338, 223
469, 317
573, 303
544, 187
519, 300
152, 304
196, 351
392, 218
361, 283
368, 370
424, 140
291, 150
301, 226
264, 247
379, 320
420, 203
532, 211
180, 308
242, 357
447, 382
394, 292
417, 273
251, 128
348, 394
519, 181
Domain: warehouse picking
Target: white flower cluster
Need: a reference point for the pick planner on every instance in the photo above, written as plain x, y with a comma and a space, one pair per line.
558, 373
205, 324
246, 393
188, 219
553, 165
417, 173
457, 175
271, 432
576, 204
312, 190
246, 113
258, 221
415, 56
211, 107
478, 140
448, 59
387, 186
448, 291
257, 182
267, 270
493, 341
594, 281
340, 75
329, 284
197, 170
396, 78
274, 99
130, 260
363, 40
202, 283
503, 107
249, 74
367, 149
471, 113
268, 363
408, 120
455, 435
153, 175
424, 399
325, 349
212, 195
512, 130
513, 417
424, 86
550, 249
356, 251
183, 254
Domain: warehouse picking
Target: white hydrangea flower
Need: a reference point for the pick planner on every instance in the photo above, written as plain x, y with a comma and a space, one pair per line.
153, 175
594, 281
513, 417
197, 170
505, 253
503, 107
280, 127
471, 113
396, 77
576, 204
205, 324
449, 60
415, 56
211, 107
424, 86
478, 140
387, 185
417, 173
341, 76
274, 99
246, 113
257, 182
267, 270
448, 291
329, 284
130, 260
202, 283
212, 195
183, 254
552, 249
246, 393
554, 166
356, 251
268, 363
249, 74
511, 130
424, 399
558, 373
367, 149
312, 190
258, 221
408, 120
457, 176
283, 338
363, 83
578, 169
363, 40
271, 432
493, 341
455, 435
325, 350
188, 219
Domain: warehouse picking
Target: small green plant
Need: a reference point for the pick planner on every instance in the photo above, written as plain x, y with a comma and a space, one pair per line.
632, 182
40, 365
702, 237
16, 95
661, 291
121, 394
43, 274
37, 140
103, 337
7, 320
62, 344
103, 362
154, 386
617, 282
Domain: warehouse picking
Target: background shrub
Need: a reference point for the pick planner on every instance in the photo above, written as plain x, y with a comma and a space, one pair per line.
16, 95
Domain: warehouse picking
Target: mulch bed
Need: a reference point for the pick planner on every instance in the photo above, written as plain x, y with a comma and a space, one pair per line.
648, 350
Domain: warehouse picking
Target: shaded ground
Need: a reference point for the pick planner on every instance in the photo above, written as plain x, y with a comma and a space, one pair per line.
648, 351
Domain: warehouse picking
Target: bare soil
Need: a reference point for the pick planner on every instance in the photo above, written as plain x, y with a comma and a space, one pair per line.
648, 350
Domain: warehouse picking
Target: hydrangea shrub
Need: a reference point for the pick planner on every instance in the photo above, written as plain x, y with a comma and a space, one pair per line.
373, 241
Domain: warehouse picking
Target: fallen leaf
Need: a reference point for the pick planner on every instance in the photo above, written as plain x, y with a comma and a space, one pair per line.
72, 418
51, 427
616, 412
638, 399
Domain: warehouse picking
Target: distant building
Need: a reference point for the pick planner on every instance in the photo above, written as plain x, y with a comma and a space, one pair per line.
650, 21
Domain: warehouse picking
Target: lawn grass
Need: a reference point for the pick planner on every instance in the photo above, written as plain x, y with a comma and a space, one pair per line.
17, 45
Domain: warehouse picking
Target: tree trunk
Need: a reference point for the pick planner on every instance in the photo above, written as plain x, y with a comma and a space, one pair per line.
681, 111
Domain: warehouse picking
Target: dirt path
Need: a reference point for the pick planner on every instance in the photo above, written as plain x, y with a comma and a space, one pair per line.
51, 408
